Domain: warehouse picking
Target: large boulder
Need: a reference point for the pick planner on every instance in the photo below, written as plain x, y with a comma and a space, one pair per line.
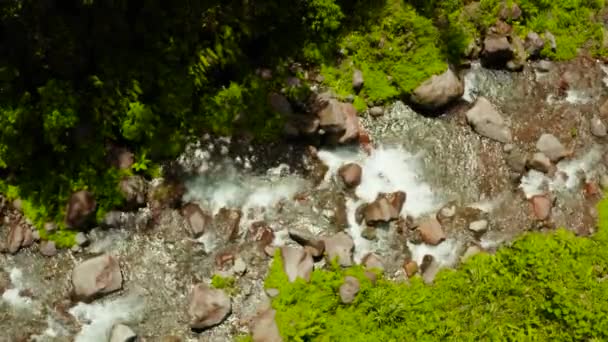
197, 220
497, 51
488, 122
96, 277
438, 91
297, 263
386, 208
339, 120
340, 247
81, 206
264, 327
208, 307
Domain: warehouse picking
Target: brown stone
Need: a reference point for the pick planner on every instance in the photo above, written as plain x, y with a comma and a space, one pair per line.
541, 207
349, 289
96, 276
198, 221
431, 232
208, 307
80, 207
410, 268
350, 175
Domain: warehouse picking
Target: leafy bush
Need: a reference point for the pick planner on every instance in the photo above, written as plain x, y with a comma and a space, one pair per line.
543, 287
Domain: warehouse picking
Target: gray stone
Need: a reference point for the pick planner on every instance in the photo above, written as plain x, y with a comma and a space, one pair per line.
497, 51
543, 66
540, 162
604, 182
551, 39
551, 147
48, 248
80, 207
516, 160
197, 220
16, 236
297, 263
488, 122
264, 327
372, 261
534, 44
81, 239
208, 307
598, 128
239, 267
478, 227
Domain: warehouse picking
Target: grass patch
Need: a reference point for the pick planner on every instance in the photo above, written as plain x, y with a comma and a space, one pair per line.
228, 284
543, 287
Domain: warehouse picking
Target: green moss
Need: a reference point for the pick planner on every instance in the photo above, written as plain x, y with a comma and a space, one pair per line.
543, 287
228, 284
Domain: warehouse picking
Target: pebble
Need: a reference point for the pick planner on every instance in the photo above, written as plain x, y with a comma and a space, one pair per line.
376, 111
479, 227
48, 248
240, 267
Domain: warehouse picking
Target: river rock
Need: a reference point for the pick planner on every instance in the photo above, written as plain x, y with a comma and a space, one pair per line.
350, 174
431, 232
340, 246
410, 267
376, 111
48, 248
208, 307
122, 333
598, 128
80, 207
386, 208
81, 239
372, 261
96, 276
297, 263
264, 327
349, 289
497, 51
534, 44
134, 189
307, 239
357, 80
517, 160
551, 147
438, 91
488, 122
197, 220
226, 224
540, 162
541, 207
478, 227
16, 235
340, 120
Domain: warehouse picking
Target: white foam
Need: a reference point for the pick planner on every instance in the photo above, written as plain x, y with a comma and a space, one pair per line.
12, 296
470, 83
535, 182
445, 253
97, 319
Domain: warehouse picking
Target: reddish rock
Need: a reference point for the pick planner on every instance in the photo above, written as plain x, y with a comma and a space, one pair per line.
208, 307
386, 208
350, 175
297, 263
410, 268
340, 120
541, 207
431, 232
198, 221
372, 261
261, 232
96, 276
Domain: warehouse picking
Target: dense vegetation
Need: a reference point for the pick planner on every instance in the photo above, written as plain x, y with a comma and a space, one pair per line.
541, 288
79, 76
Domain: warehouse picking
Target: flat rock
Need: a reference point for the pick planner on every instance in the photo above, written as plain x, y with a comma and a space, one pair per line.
431, 232
478, 227
376, 111
438, 91
349, 289
340, 246
297, 263
96, 276
208, 307
551, 147
488, 122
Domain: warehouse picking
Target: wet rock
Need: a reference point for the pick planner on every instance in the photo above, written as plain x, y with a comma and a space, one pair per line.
339, 120
208, 307
541, 207
340, 246
280, 104
349, 289
261, 232
134, 189
550, 38
478, 227
386, 208
534, 44
376, 111
197, 220
598, 128
16, 235
429, 269
540, 162
496, 52
340, 218
446, 213
80, 207
438, 91
350, 175
488, 122
122, 333
517, 160
239, 267
264, 327
226, 224
510, 12
551, 147
166, 195
272, 293
307, 239
357, 80
431, 232
48, 248
411, 268
297, 263
81, 239
97, 276
372, 261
